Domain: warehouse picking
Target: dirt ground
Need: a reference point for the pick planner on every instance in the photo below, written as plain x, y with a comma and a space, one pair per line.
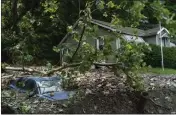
104, 93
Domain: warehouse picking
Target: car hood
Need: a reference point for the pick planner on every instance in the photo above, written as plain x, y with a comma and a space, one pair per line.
62, 95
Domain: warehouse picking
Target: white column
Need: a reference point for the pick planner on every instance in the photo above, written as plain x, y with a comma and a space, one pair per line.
97, 43
157, 40
162, 61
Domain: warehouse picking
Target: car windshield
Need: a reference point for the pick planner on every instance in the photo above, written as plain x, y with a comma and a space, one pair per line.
50, 86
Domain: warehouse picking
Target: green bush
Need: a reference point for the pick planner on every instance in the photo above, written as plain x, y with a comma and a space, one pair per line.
153, 57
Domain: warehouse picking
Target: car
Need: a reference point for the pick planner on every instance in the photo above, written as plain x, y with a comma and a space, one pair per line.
44, 87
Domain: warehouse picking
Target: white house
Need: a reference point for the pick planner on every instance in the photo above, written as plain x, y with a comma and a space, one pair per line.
150, 36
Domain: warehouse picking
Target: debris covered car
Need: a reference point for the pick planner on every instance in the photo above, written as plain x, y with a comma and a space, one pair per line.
45, 87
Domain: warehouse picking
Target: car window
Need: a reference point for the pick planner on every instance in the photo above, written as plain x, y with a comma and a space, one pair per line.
49, 86
30, 85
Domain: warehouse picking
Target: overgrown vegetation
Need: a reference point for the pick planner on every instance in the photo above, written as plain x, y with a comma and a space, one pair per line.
153, 57
31, 34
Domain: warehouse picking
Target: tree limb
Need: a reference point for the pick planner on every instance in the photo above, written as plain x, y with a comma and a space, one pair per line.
60, 68
79, 44
25, 69
55, 69
7, 76
14, 12
74, 65
105, 64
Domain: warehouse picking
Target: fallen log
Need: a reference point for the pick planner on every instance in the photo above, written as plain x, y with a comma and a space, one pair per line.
74, 65
61, 68
24, 69
55, 69
7, 76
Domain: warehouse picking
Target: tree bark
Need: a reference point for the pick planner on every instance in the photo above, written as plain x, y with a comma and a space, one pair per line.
25, 69
14, 12
79, 44
61, 68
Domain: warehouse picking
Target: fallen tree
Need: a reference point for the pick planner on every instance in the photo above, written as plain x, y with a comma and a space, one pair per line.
23, 69
50, 72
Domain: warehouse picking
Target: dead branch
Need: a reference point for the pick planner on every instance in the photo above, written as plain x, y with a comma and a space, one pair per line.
8, 76
105, 64
53, 70
25, 69
79, 44
74, 65
158, 104
61, 68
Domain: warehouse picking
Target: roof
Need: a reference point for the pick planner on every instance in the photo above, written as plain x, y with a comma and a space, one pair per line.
128, 30
124, 30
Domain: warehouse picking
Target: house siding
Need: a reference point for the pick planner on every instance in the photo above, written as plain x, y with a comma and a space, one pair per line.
166, 43
150, 40
115, 44
73, 44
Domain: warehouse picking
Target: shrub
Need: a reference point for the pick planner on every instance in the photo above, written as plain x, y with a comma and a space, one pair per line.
153, 57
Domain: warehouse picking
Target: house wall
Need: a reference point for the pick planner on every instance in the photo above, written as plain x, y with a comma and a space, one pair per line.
155, 40
150, 40
133, 38
165, 39
93, 41
167, 42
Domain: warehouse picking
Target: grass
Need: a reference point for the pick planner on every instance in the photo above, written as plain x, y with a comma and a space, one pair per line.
166, 71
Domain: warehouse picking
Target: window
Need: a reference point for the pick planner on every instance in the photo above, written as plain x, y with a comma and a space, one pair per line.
164, 41
100, 43
50, 86
30, 85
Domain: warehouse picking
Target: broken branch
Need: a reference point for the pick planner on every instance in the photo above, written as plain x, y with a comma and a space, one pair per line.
62, 67
79, 44
23, 69
74, 65
8, 76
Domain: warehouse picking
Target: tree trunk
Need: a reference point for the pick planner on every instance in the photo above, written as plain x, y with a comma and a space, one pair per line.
14, 13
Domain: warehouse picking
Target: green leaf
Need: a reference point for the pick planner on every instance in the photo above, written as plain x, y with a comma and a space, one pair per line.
56, 49
51, 17
129, 46
115, 20
101, 5
105, 14
28, 58
110, 4
69, 29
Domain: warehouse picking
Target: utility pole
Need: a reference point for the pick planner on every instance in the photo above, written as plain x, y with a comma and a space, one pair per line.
162, 61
